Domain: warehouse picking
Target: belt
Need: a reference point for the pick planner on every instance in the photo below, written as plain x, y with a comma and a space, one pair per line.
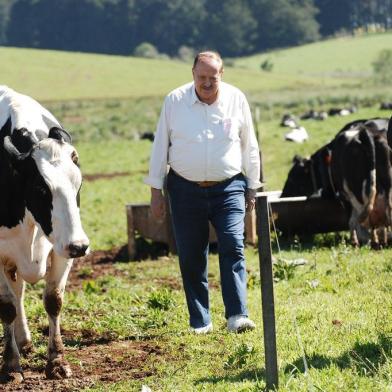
202, 184
206, 184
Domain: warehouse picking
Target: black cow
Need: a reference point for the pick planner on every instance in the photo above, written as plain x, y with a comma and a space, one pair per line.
386, 106
40, 227
356, 168
314, 115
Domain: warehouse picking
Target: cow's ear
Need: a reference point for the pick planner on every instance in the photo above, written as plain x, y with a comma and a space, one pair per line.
60, 134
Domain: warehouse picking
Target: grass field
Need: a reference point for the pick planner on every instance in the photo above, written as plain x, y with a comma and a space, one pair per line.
346, 57
126, 326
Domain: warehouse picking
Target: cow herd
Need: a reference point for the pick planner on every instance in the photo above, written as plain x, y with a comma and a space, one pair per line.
355, 168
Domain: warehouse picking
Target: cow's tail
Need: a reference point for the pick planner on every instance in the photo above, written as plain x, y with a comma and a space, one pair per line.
370, 185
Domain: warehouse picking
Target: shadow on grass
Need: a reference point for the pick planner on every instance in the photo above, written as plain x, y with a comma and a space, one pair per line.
364, 358
246, 375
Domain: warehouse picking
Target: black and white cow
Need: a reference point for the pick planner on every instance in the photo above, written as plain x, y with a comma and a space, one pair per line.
342, 111
356, 168
40, 226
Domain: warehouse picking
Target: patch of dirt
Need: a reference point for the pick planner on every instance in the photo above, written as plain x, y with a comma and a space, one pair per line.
97, 263
111, 362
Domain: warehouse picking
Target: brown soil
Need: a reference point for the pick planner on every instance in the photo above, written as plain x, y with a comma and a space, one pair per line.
96, 264
93, 358
91, 363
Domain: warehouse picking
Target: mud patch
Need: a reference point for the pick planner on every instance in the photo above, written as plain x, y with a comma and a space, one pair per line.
96, 264
106, 363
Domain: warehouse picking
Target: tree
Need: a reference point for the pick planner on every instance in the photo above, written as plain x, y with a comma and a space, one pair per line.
229, 27
285, 22
146, 50
168, 24
334, 16
5, 7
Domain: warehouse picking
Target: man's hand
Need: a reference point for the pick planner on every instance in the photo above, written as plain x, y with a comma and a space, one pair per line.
158, 204
250, 199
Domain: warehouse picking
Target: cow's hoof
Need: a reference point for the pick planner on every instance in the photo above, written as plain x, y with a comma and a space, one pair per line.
14, 377
58, 369
375, 245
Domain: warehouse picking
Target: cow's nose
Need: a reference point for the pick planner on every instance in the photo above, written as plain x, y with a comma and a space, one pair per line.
77, 249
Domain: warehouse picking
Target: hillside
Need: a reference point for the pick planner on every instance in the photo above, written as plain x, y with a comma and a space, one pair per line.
345, 57
56, 75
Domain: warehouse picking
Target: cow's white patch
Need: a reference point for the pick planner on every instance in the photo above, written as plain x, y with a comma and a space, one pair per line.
25, 247
351, 133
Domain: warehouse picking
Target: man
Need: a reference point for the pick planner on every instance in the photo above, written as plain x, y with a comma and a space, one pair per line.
205, 134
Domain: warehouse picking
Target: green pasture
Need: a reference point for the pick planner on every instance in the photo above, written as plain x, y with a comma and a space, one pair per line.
93, 76
333, 313
346, 57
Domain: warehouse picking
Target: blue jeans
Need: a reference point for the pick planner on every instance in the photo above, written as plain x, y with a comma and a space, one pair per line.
192, 207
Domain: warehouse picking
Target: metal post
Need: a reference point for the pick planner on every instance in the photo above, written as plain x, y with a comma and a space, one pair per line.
267, 293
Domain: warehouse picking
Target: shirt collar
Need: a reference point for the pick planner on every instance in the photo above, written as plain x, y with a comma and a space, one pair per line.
195, 98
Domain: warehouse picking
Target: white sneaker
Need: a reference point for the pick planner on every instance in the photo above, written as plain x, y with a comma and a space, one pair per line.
240, 324
202, 330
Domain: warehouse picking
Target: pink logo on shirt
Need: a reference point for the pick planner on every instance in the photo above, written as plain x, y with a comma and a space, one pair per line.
226, 125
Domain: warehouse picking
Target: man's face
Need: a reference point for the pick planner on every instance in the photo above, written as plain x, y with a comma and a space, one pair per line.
207, 75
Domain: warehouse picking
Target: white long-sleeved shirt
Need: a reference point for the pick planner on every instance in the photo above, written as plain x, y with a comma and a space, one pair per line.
204, 142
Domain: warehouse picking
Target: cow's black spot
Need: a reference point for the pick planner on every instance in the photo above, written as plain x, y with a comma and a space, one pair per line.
7, 312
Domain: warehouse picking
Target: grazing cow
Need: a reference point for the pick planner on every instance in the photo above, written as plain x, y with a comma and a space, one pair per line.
386, 106
40, 227
356, 168
288, 120
342, 111
314, 115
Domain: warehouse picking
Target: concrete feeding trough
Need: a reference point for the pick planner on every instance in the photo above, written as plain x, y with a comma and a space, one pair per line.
293, 215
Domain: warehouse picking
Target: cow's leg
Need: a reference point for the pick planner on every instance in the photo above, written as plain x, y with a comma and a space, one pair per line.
21, 329
375, 242
11, 369
352, 223
383, 236
57, 367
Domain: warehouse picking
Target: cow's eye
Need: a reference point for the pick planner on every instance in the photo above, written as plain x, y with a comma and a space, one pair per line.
75, 157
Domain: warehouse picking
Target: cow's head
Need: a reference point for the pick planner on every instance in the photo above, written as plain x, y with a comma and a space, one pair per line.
299, 180
52, 181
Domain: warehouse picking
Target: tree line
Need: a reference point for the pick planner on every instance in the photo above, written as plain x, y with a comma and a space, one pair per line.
234, 27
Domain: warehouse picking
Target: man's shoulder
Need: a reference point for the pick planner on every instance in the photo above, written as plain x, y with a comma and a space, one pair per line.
232, 91
180, 93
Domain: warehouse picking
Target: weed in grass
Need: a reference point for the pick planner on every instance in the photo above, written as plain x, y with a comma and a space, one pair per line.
283, 270
85, 272
90, 287
253, 280
161, 299
241, 356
